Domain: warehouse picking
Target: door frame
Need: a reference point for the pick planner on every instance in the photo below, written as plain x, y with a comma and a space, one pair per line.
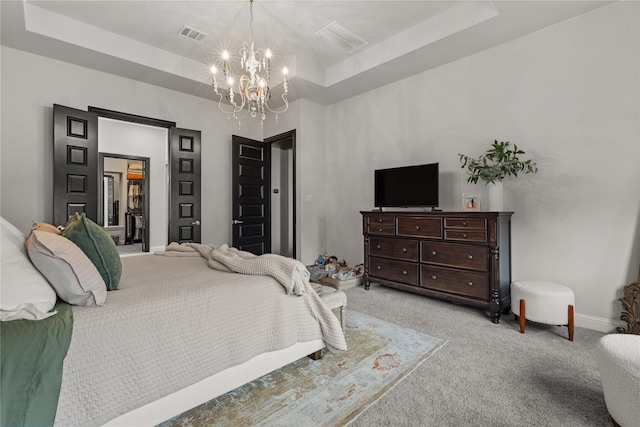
146, 192
142, 120
290, 136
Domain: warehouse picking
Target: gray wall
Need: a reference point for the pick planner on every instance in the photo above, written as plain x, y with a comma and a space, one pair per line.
28, 95
569, 96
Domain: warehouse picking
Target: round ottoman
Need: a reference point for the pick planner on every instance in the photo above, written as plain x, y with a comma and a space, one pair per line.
619, 364
543, 302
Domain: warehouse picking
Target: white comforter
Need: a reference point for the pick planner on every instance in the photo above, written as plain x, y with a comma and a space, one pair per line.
289, 272
173, 322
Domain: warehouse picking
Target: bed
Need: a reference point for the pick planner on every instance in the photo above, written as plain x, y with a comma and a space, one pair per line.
177, 333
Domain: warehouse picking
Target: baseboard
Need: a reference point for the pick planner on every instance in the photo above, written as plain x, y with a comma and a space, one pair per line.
597, 323
153, 249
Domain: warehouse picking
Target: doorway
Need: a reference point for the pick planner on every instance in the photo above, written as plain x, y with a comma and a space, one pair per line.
122, 148
124, 201
283, 193
263, 195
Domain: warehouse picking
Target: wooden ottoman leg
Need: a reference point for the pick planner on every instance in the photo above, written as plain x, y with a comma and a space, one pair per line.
522, 319
570, 323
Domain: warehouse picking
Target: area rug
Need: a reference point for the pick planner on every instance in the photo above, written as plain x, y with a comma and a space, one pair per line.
327, 392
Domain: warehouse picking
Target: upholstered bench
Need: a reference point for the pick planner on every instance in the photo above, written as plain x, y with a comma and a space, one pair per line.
333, 298
543, 302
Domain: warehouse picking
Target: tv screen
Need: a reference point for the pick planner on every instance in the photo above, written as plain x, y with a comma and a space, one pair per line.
408, 186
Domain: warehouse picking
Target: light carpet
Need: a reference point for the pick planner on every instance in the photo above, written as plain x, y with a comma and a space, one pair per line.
327, 392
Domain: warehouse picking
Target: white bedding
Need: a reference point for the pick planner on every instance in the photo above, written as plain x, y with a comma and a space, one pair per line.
172, 323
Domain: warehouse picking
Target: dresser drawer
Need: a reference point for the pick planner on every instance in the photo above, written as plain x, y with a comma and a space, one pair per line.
404, 249
385, 230
420, 227
465, 235
469, 257
477, 223
398, 271
465, 283
381, 224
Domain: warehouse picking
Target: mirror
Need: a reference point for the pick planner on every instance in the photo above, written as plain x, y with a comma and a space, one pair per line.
111, 183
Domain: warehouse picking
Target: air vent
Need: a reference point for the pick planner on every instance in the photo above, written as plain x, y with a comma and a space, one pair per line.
192, 33
339, 36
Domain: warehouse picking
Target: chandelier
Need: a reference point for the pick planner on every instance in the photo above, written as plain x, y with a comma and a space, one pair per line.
248, 95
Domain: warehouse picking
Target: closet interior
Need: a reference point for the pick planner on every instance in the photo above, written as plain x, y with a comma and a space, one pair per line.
125, 201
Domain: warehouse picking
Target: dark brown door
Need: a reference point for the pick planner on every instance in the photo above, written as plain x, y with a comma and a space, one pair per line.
251, 186
185, 186
75, 164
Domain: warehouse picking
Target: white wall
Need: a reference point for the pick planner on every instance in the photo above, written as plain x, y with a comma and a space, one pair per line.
569, 96
118, 137
28, 95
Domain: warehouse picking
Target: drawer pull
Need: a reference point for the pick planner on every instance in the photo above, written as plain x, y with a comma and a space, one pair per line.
434, 253
379, 268
470, 256
378, 247
380, 229
404, 250
464, 223
434, 277
469, 283
404, 272
380, 220
417, 227
463, 235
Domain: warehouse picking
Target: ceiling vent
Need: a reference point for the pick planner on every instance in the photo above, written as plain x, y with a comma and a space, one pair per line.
339, 36
192, 33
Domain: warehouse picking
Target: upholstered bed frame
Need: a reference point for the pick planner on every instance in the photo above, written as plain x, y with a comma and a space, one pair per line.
176, 403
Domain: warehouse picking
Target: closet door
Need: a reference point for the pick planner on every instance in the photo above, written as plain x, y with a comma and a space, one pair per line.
185, 188
75, 164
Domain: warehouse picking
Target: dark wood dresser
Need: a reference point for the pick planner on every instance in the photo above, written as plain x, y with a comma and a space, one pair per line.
463, 257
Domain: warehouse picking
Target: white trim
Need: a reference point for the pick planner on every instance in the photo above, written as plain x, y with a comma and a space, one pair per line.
597, 323
176, 403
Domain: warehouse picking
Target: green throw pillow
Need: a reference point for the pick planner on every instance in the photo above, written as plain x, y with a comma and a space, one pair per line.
98, 246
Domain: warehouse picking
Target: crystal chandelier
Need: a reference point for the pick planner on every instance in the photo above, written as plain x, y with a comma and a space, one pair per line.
249, 95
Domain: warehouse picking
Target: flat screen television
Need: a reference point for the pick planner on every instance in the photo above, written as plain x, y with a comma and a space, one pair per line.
407, 186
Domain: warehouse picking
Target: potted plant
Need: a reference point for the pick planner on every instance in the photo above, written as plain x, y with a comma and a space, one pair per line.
497, 163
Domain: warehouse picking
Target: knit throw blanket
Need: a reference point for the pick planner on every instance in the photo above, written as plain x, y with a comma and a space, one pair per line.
289, 272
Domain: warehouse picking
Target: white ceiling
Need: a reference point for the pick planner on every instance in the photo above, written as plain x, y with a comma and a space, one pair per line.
139, 39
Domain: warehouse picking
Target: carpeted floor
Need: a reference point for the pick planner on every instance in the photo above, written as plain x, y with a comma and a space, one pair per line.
488, 374
327, 392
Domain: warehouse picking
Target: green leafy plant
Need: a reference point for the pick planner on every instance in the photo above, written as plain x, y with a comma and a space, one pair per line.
497, 163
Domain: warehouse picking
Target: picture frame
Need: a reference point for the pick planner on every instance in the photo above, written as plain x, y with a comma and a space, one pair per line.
471, 203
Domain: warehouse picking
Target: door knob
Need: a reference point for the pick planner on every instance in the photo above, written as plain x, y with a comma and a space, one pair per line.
195, 223
237, 221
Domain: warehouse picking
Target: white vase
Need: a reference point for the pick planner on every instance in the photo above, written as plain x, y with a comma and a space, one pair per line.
496, 197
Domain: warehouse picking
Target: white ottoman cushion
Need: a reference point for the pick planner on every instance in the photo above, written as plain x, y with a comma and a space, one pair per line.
618, 357
332, 297
545, 302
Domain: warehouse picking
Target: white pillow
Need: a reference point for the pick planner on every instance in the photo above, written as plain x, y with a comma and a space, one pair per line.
24, 292
73, 275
